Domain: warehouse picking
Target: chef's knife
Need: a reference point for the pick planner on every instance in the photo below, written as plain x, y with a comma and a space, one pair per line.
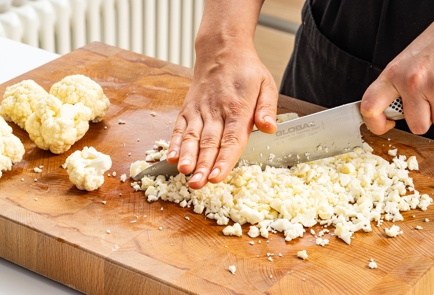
312, 137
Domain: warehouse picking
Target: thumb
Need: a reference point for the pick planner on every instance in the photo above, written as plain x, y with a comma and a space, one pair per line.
266, 107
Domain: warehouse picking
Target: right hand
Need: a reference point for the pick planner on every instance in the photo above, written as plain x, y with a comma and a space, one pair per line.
231, 91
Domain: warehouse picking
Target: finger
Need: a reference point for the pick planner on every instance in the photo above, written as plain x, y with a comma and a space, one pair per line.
417, 113
190, 146
379, 95
266, 107
209, 148
233, 142
176, 140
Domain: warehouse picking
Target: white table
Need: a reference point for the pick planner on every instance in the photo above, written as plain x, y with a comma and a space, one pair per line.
15, 59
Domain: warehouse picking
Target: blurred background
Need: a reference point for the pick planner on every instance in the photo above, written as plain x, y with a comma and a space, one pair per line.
164, 29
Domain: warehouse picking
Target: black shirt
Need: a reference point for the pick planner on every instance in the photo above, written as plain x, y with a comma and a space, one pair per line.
373, 30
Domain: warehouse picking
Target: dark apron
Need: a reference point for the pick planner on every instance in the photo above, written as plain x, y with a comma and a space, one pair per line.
320, 72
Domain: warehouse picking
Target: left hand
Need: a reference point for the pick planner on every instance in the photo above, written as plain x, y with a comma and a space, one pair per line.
410, 75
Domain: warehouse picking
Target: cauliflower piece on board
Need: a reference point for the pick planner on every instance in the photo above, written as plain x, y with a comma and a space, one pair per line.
137, 167
55, 126
11, 148
79, 88
19, 101
86, 168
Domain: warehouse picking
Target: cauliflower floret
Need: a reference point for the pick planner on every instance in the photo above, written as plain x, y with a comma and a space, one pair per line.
19, 101
11, 148
55, 126
79, 88
86, 168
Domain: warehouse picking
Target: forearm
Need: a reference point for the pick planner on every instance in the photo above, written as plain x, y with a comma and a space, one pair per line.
227, 22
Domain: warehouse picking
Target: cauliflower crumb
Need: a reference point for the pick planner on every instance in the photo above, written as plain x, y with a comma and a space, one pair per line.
137, 167
372, 264
11, 147
86, 168
123, 177
234, 230
393, 152
393, 231
321, 242
302, 254
232, 269
418, 227
253, 232
81, 89
412, 163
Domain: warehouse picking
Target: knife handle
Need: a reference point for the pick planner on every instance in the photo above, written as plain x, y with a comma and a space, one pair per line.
395, 111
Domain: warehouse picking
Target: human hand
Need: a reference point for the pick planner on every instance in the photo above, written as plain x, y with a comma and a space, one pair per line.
231, 90
410, 75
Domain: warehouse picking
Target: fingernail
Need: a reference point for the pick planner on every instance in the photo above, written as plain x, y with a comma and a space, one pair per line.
270, 120
185, 162
214, 173
197, 177
172, 154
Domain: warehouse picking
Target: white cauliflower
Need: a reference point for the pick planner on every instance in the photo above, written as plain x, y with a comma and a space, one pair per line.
19, 101
55, 126
86, 168
11, 148
79, 88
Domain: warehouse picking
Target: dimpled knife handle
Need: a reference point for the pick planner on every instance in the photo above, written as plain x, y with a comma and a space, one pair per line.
395, 110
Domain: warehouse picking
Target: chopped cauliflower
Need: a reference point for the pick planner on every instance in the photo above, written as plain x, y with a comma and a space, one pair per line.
280, 118
79, 88
11, 148
55, 126
412, 163
234, 230
348, 192
20, 100
232, 269
372, 264
302, 254
137, 167
86, 168
392, 152
393, 231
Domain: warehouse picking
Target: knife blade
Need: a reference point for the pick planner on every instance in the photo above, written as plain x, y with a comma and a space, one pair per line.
312, 137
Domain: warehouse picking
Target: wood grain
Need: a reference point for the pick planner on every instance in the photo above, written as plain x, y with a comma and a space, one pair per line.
52, 228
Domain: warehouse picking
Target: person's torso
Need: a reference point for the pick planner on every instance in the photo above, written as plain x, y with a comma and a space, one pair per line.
372, 30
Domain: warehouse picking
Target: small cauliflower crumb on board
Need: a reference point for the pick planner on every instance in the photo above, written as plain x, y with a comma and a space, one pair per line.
372, 264
302, 254
232, 269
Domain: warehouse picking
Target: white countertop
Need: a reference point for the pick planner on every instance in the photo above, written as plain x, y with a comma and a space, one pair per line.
15, 59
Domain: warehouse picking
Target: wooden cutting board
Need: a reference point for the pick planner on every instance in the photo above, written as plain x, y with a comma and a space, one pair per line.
58, 231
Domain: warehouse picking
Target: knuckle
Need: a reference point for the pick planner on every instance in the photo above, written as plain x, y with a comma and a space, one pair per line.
191, 135
209, 142
177, 131
230, 139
